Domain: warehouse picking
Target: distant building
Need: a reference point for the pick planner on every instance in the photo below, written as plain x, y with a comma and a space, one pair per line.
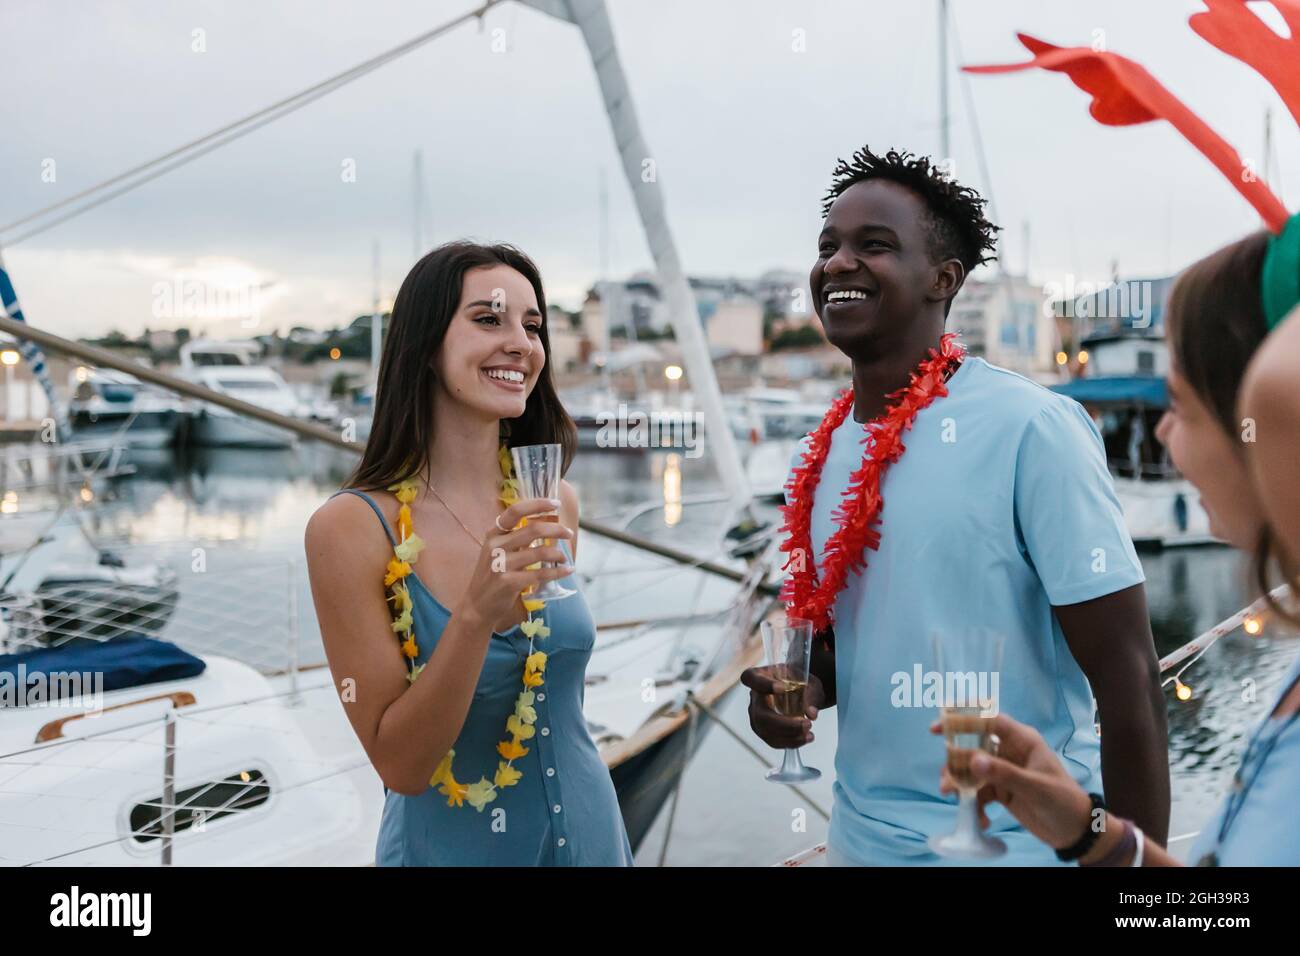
1004, 321
736, 325
1124, 305
162, 340
785, 294
569, 348
595, 321
1121, 327
635, 307
1126, 354
825, 363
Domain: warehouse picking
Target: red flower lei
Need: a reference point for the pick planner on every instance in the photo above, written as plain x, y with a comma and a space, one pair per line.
804, 596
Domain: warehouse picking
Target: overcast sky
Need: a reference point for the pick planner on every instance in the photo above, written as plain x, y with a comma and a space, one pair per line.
744, 130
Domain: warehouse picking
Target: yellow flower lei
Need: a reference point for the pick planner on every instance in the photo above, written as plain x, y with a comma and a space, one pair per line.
520, 724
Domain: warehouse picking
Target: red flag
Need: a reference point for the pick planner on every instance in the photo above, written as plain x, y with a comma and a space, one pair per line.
1125, 94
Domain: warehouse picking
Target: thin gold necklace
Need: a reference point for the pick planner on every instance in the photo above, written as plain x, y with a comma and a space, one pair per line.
454, 515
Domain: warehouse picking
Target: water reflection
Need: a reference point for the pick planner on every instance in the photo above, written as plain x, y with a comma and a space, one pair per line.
1190, 590
672, 490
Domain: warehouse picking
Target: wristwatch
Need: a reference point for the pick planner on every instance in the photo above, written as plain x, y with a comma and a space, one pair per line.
1090, 834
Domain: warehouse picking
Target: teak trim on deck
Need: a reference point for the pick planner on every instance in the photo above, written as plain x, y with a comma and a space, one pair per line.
54, 729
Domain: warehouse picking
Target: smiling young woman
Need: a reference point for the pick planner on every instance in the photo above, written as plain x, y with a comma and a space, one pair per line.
463, 375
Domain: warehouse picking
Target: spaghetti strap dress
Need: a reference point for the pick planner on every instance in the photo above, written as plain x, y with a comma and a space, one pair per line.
563, 811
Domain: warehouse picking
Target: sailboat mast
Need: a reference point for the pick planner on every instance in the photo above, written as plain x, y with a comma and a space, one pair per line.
604, 227
376, 329
417, 204
641, 170
945, 147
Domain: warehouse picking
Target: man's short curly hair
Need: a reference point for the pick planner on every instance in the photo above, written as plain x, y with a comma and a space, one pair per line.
956, 228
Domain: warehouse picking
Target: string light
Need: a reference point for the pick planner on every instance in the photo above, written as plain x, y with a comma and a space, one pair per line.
1253, 625
1182, 691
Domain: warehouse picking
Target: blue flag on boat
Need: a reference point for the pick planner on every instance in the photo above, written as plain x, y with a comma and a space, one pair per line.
34, 356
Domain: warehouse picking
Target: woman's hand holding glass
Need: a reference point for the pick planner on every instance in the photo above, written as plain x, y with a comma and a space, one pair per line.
502, 570
1028, 779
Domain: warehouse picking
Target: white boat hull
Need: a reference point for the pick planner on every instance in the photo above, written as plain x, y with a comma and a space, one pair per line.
1151, 511
323, 800
213, 427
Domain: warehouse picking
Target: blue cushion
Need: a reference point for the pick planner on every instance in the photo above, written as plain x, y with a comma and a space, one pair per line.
128, 661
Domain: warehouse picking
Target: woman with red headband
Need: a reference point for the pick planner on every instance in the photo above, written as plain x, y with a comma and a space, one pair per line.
1222, 371
1234, 335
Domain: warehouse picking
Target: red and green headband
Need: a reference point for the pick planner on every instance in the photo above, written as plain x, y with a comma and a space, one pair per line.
1125, 94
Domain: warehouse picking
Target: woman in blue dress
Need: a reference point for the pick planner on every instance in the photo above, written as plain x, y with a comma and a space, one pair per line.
1232, 429
468, 710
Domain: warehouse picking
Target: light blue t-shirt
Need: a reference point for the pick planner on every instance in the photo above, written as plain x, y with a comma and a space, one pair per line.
1000, 507
1266, 828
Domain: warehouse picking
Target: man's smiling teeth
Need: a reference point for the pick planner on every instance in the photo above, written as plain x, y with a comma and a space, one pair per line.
845, 294
506, 375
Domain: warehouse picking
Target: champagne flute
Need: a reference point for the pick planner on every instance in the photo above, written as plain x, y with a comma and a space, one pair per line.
538, 469
969, 664
788, 648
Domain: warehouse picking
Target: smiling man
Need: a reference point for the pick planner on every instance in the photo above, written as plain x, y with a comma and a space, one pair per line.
996, 519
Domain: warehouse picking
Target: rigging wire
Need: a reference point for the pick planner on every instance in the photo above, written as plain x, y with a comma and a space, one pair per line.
181, 155
969, 96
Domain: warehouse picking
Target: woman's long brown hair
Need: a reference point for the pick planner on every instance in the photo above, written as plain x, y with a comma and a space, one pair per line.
402, 430
1215, 324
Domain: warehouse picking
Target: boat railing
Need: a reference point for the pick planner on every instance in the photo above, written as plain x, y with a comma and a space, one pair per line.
243, 609
1250, 619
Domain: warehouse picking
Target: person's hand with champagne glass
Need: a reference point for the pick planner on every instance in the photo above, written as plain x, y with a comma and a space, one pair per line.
502, 569
1029, 780
776, 729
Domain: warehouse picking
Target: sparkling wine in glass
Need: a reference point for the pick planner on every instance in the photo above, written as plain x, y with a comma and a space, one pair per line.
538, 469
969, 662
789, 649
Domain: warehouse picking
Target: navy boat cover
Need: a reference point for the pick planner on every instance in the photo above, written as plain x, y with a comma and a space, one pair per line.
128, 661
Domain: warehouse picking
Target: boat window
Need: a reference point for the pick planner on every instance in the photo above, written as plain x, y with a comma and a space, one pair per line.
215, 358
196, 806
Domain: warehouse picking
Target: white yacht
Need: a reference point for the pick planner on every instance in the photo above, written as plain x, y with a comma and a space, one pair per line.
1124, 391
106, 401
231, 367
